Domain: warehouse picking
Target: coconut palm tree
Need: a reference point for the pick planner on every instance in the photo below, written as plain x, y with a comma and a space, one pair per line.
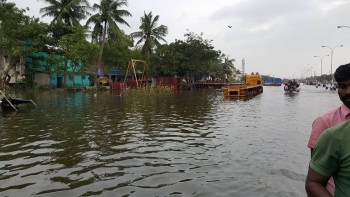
106, 21
229, 67
69, 12
150, 33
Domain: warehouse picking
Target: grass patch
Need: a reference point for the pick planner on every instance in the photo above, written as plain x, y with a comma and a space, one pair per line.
151, 90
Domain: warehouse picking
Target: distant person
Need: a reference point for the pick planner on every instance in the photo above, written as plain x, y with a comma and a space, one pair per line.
334, 116
334, 87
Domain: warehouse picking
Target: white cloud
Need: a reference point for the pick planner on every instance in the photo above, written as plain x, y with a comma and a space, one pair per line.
332, 5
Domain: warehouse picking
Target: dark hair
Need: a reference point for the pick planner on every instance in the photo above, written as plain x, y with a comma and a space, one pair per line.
342, 73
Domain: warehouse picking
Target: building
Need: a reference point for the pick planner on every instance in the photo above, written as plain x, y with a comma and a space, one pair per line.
51, 74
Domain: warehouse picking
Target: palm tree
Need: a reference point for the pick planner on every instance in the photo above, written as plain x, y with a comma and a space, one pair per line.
106, 21
229, 62
69, 12
150, 34
229, 67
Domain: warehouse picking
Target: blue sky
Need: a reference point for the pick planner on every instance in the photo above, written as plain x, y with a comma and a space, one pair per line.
275, 37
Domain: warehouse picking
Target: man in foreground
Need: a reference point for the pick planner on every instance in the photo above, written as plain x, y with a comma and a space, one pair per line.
316, 175
331, 158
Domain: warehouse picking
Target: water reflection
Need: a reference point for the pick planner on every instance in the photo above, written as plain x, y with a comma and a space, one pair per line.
182, 144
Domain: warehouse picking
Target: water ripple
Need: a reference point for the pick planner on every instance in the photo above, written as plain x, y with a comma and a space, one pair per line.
186, 144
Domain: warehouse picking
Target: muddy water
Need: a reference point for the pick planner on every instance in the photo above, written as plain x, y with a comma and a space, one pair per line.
191, 143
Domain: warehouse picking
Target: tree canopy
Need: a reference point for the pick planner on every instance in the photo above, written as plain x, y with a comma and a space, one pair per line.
193, 59
16, 29
106, 22
70, 12
150, 34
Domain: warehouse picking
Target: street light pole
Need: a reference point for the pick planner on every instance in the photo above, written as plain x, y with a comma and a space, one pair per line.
309, 70
321, 58
332, 49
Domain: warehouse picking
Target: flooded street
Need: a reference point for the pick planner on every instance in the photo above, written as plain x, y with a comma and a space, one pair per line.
190, 143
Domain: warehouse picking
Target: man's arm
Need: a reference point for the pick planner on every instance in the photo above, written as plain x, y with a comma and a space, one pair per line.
318, 127
315, 184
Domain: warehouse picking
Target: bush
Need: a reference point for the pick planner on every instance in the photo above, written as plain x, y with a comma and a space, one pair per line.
150, 90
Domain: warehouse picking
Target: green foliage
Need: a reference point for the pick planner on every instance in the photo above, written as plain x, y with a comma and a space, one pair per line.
65, 44
57, 30
166, 60
16, 29
151, 90
101, 88
117, 52
76, 51
320, 78
12, 23
193, 59
106, 20
70, 12
150, 33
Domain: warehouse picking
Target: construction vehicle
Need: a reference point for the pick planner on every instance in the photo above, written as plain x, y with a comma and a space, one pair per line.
103, 81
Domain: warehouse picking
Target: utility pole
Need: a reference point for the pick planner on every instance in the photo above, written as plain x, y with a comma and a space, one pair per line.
243, 66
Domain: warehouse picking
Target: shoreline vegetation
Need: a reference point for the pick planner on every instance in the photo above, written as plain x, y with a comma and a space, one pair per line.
151, 90
59, 52
33, 49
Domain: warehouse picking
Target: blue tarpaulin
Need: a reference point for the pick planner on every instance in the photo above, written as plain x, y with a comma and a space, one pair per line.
116, 71
277, 80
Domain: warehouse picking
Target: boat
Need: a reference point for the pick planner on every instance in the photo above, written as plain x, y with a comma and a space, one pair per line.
10, 103
291, 86
242, 90
14, 101
252, 87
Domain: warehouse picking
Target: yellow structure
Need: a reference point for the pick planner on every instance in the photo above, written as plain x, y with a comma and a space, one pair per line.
253, 80
138, 70
104, 81
251, 87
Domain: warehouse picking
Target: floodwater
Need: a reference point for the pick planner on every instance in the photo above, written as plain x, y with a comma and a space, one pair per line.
190, 143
